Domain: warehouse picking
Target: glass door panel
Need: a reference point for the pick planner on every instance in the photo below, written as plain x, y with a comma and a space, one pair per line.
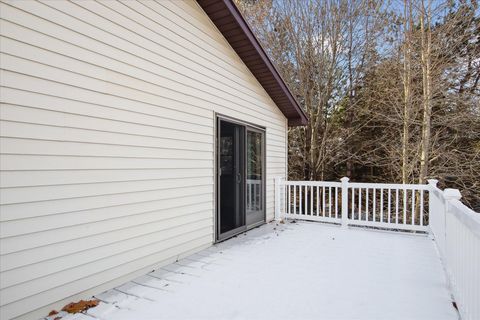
255, 212
231, 164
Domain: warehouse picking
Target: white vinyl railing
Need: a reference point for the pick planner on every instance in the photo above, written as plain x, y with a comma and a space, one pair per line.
408, 207
391, 206
312, 200
456, 230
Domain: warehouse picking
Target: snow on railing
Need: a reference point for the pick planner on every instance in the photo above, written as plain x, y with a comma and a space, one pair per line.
411, 207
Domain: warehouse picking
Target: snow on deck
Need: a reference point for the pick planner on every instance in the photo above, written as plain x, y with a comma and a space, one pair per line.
292, 271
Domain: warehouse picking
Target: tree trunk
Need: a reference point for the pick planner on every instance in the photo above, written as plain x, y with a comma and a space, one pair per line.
406, 89
427, 90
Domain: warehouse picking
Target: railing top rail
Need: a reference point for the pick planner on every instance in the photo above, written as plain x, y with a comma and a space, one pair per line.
313, 183
388, 186
467, 216
363, 185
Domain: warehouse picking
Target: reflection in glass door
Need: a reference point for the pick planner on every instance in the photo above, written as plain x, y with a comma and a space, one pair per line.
255, 190
231, 146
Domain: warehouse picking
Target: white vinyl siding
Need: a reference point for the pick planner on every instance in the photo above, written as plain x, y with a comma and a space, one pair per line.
107, 141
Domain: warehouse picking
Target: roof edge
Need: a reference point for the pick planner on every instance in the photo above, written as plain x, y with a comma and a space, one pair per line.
257, 57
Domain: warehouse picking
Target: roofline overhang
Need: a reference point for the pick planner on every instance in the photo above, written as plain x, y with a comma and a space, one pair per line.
224, 13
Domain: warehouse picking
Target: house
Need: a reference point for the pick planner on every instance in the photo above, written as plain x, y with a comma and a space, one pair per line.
133, 134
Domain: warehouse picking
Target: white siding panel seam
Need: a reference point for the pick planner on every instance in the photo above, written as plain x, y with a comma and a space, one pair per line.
125, 228
104, 131
88, 242
95, 284
27, 70
257, 109
80, 58
143, 124
15, 92
179, 188
9, 300
6, 234
98, 182
8, 282
64, 141
230, 62
201, 204
102, 156
150, 195
29, 67
129, 230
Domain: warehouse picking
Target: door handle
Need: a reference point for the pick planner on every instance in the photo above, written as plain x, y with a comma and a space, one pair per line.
239, 177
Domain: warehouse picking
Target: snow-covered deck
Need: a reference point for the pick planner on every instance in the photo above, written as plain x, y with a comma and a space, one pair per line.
302, 270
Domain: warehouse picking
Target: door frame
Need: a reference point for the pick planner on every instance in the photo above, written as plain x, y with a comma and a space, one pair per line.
247, 126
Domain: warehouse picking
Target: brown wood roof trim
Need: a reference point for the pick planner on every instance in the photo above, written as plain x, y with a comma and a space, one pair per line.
225, 14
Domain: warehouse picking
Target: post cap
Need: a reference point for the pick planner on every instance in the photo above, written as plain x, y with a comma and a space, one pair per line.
432, 182
452, 194
345, 179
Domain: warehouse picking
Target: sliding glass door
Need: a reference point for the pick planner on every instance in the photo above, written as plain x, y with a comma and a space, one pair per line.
240, 177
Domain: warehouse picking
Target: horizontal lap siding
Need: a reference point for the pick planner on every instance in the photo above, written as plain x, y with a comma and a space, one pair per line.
107, 138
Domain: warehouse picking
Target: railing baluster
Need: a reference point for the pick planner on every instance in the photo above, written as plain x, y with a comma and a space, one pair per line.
374, 198
289, 200
404, 206
318, 201
421, 207
396, 206
300, 191
305, 200
311, 200
366, 203
329, 202
353, 203
323, 201
389, 195
359, 203
381, 205
413, 207
294, 199
336, 202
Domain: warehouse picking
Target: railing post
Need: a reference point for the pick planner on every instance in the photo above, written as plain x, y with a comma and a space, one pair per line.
452, 194
278, 200
432, 185
344, 181
432, 182
448, 195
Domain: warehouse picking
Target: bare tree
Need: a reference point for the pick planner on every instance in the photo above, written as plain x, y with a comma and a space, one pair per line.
392, 92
